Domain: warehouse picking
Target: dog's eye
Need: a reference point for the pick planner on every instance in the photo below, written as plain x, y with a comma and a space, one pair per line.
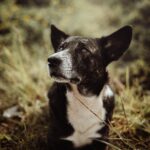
85, 50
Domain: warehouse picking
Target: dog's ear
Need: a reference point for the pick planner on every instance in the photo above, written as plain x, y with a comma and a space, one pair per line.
114, 45
57, 36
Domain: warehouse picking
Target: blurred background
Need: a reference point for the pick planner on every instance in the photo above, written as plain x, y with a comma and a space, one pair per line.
24, 81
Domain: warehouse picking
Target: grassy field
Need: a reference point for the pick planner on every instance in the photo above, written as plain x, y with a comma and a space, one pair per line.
24, 81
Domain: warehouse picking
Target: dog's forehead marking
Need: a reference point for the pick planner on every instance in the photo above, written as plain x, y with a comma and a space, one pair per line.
78, 39
85, 123
89, 42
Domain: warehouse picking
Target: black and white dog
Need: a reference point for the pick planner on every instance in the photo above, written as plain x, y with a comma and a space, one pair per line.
81, 100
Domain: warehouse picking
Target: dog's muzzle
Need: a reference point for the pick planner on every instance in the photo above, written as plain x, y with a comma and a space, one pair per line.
54, 64
56, 71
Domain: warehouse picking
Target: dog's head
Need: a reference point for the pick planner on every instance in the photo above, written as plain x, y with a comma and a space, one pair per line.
77, 58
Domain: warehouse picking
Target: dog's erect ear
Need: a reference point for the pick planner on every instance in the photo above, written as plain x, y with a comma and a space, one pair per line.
114, 45
57, 36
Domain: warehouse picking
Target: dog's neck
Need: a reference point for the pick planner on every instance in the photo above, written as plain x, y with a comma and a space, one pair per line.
90, 86
87, 113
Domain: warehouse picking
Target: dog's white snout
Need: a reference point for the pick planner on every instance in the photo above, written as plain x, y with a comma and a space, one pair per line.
63, 60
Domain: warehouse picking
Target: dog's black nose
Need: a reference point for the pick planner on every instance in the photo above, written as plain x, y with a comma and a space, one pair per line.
53, 62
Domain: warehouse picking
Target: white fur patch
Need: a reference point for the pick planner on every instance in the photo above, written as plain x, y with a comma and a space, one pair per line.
108, 91
85, 122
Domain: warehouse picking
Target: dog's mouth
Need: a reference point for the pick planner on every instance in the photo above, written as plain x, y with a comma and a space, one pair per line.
58, 77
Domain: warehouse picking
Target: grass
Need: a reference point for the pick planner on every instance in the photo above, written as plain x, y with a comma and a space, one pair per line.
130, 119
24, 81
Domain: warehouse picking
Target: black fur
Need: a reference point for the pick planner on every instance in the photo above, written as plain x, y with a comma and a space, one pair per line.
57, 37
90, 57
59, 126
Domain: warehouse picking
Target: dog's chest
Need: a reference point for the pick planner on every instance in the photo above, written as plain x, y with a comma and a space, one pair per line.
86, 115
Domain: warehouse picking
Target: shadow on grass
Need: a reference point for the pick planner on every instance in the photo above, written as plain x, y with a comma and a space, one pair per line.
31, 134
24, 135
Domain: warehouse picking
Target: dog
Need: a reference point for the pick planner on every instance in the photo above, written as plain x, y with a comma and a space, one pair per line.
81, 100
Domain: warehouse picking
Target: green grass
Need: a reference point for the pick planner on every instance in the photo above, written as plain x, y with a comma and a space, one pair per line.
24, 79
